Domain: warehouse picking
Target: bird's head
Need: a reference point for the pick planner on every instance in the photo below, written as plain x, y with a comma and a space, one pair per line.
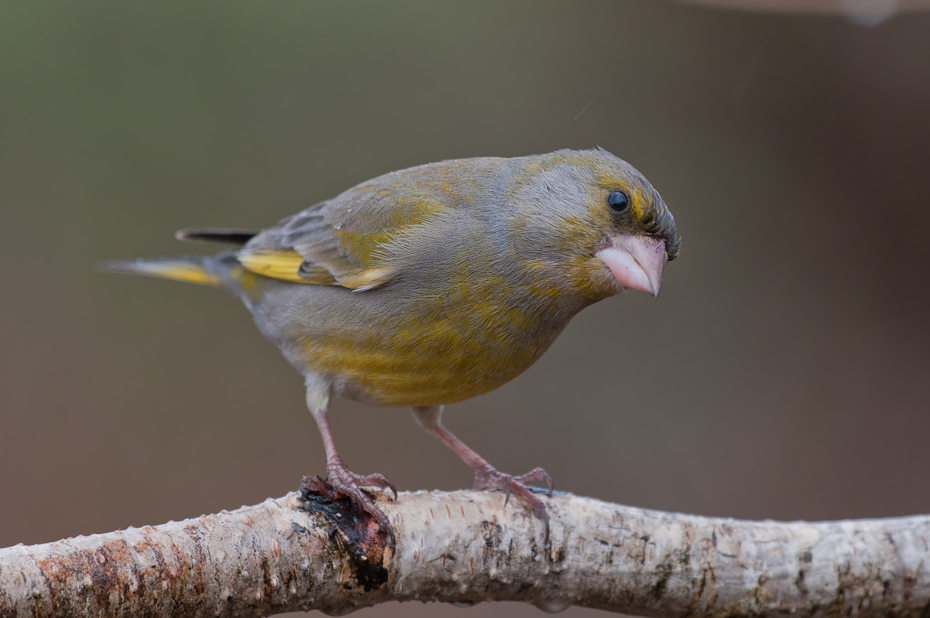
594, 221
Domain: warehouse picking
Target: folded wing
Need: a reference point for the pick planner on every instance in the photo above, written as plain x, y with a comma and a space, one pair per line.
353, 241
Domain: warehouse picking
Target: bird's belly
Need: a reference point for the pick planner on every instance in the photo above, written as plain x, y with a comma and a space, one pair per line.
423, 364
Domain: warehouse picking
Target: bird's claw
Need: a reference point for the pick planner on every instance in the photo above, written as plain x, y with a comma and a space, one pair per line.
489, 478
372, 480
349, 483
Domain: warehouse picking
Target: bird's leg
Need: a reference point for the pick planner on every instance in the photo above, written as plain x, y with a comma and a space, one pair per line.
486, 476
340, 477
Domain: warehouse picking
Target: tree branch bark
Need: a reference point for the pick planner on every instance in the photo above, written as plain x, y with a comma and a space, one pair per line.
310, 550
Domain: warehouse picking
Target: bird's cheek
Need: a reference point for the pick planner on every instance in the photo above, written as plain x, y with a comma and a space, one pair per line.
591, 280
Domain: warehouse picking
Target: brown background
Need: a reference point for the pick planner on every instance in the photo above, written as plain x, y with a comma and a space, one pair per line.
782, 373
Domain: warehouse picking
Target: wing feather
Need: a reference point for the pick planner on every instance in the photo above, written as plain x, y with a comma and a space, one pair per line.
285, 265
347, 241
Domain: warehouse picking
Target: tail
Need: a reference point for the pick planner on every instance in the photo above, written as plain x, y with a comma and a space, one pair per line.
235, 237
212, 270
200, 270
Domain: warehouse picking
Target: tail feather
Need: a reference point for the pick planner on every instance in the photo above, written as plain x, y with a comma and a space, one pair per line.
188, 269
236, 237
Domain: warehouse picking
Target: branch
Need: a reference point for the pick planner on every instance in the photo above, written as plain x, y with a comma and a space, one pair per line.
313, 551
823, 7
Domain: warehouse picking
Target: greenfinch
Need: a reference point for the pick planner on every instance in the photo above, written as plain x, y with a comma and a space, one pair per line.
438, 283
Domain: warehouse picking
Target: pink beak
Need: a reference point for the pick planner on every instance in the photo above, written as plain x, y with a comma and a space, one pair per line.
636, 262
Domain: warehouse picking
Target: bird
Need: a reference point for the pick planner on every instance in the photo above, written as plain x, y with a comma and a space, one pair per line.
434, 284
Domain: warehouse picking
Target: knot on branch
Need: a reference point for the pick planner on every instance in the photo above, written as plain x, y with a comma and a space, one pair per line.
355, 532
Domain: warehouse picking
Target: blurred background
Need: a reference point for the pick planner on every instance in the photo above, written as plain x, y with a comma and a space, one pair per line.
781, 374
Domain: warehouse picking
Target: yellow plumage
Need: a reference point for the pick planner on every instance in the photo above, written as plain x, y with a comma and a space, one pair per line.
280, 265
174, 269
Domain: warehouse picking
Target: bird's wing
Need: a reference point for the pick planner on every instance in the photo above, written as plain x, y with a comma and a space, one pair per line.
351, 241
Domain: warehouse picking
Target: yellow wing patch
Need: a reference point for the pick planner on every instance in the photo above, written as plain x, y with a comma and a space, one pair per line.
366, 279
286, 266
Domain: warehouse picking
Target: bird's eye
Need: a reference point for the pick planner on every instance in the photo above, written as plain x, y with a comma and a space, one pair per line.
618, 201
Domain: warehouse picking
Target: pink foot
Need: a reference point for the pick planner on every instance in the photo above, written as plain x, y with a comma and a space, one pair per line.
346, 482
489, 478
